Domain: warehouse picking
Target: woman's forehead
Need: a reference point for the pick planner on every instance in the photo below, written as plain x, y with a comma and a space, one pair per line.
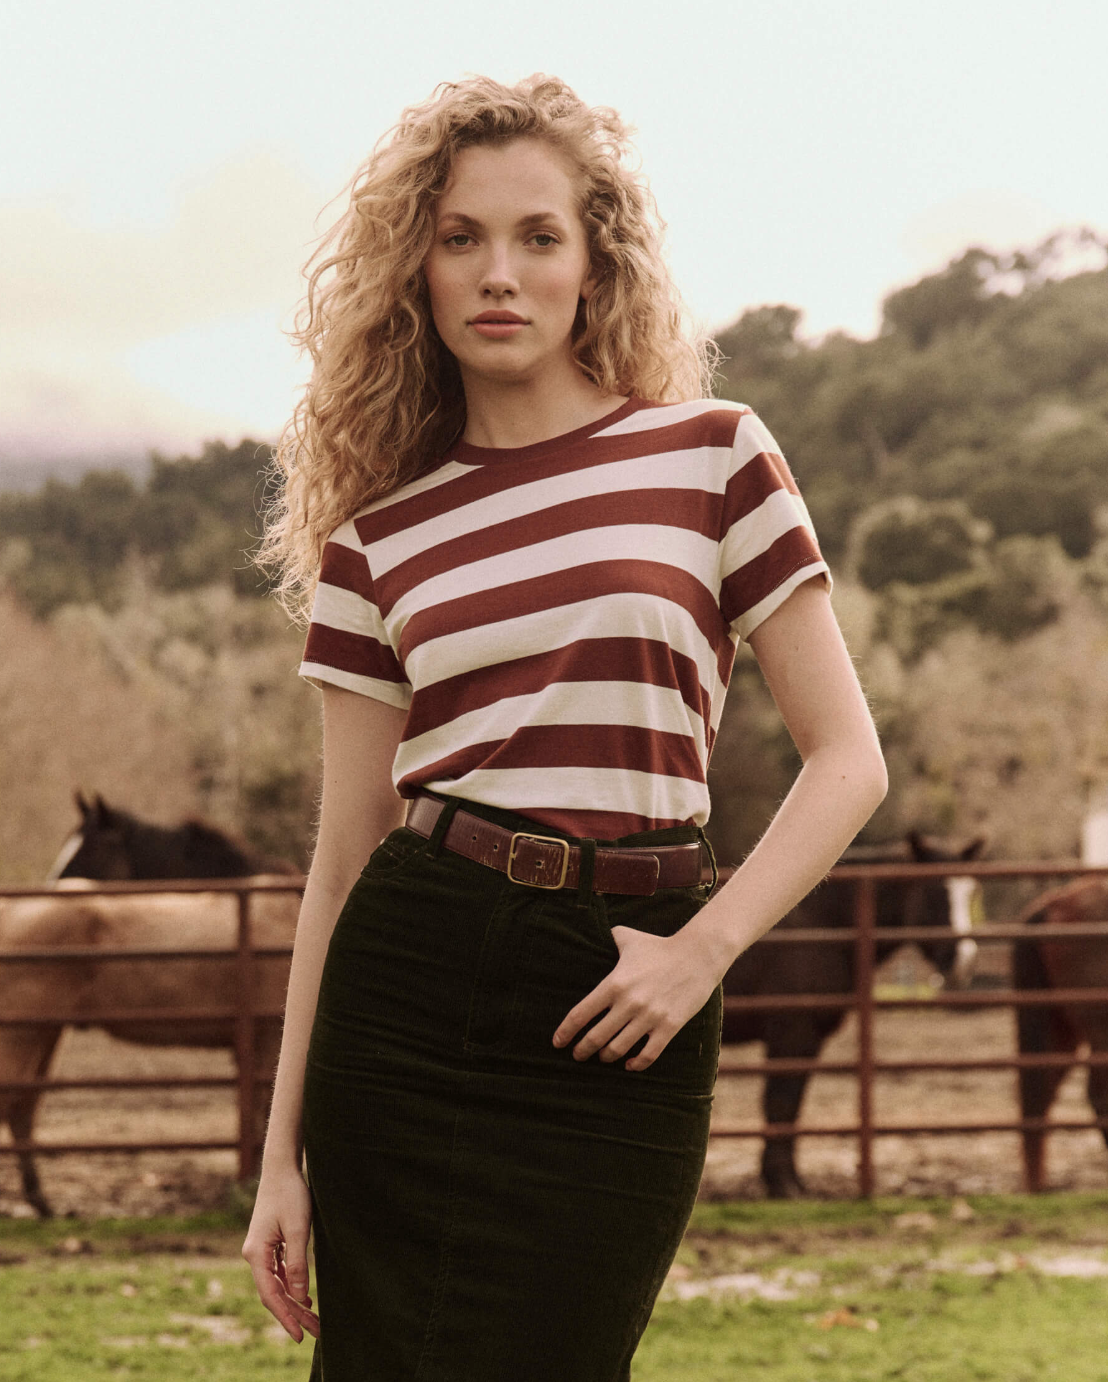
524, 173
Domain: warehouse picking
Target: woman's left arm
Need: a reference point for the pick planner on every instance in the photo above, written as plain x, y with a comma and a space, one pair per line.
660, 982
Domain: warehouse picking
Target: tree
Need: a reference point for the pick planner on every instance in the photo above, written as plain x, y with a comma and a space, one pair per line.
916, 542
192, 525
760, 340
940, 301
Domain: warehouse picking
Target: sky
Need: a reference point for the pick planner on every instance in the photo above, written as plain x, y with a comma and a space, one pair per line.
167, 167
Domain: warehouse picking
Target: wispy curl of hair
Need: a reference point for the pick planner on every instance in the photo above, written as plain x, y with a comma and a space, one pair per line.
385, 397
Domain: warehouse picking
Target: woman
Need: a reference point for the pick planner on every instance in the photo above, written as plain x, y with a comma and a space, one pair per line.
538, 543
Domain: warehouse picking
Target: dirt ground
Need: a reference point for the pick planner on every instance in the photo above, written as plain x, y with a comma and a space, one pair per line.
939, 1164
148, 1183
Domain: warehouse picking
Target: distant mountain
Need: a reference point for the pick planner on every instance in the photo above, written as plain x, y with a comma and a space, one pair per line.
24, 477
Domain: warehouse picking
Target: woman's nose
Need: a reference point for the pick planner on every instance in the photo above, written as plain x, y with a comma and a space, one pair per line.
499, 275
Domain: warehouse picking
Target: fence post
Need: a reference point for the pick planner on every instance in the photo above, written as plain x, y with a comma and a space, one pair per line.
865, 916
244, 1039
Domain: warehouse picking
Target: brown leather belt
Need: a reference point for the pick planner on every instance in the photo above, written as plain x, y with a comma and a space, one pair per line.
548, 861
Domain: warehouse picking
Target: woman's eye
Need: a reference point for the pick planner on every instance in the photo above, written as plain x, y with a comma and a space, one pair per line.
543, 240
457, 238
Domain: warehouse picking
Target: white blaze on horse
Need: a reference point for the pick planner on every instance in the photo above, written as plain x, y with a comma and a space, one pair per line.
966, 912
53, 994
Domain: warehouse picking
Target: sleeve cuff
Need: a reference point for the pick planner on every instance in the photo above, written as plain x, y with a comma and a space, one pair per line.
391, 692
746, 624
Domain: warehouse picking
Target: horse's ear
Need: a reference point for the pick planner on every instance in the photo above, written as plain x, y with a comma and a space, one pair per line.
923, 852
105, 816
975, 848
81, 804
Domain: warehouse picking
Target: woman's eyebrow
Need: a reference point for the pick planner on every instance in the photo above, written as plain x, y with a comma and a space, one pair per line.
537, 218
533, 218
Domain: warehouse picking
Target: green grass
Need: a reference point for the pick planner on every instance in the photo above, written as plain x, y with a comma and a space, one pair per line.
929, 1322
159, 1299
951, 1329
170, 1300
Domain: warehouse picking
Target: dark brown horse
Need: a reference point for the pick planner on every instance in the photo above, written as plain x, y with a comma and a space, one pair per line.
1061, 964
771, 969
112, 845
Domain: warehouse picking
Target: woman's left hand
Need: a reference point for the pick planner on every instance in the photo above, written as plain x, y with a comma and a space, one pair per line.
657, 985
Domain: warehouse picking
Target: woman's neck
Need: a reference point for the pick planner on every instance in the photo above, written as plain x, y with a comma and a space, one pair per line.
510, 415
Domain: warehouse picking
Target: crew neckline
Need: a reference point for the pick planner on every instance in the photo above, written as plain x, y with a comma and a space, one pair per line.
466, 453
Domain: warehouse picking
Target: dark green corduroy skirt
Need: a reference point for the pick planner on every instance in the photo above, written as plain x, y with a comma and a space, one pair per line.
486, 1208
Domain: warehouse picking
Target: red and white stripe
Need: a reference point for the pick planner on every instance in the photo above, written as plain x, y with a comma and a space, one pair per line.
560, 620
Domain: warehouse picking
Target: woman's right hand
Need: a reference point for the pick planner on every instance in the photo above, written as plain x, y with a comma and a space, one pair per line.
359, 808
276, 1248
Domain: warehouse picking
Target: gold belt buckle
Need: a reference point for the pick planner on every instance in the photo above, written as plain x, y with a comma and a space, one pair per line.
546, 839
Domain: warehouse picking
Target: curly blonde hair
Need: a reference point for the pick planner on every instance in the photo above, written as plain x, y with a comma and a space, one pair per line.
385, 397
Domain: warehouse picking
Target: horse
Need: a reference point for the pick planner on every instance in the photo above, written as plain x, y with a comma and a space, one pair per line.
812, 967
1060, 964
112, 845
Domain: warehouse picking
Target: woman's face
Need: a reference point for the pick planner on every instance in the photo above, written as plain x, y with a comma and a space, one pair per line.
509, 263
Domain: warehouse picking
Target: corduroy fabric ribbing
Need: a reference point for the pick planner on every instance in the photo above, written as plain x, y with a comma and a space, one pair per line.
486, 1208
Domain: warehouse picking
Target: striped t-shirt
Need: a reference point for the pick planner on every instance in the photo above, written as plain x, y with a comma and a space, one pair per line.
560, 620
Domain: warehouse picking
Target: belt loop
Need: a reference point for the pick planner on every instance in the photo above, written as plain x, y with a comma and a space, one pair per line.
442, 825
586, 870
707, 844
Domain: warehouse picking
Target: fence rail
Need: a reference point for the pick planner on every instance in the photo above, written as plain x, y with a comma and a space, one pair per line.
245, 1013
250, 1084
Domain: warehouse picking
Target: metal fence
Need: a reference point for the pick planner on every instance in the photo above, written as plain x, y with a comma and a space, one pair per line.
252, 1084
867, 1066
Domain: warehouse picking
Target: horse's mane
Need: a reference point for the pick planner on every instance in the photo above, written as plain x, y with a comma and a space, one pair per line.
193, 849
208, 840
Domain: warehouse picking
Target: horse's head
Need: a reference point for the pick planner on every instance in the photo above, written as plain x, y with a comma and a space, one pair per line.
110, 844
99, 847
954, 902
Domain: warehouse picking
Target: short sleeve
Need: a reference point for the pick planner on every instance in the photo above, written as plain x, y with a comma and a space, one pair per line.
767, 544
347, 643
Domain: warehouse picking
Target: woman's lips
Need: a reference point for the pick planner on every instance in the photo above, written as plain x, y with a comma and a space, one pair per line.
497, 331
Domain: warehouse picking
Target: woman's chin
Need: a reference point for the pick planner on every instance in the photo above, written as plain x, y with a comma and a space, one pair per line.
500, 371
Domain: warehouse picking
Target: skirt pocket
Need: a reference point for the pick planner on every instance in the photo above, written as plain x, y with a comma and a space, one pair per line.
398, 849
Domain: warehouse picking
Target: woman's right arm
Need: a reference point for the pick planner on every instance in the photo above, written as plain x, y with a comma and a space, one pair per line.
359, 807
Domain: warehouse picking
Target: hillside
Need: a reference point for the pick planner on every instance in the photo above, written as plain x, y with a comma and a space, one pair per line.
998, 401
189, 524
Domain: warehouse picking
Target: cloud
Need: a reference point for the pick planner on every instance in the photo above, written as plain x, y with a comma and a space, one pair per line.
242, 366
92, 408
992, 218
106, 325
